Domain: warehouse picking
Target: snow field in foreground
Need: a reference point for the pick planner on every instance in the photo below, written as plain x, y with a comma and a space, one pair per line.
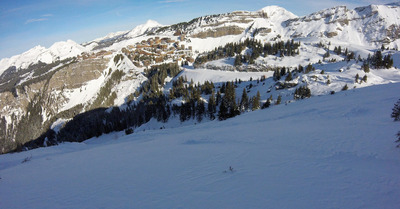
333, 151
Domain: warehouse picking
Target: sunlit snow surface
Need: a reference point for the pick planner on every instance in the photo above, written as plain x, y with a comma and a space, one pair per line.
334, 151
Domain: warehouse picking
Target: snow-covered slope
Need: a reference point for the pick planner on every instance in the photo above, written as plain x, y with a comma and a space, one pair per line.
333, 151
117, 37
111, 36
370, 25
144, 28
87, 93
367, 26
58, 51
277, 14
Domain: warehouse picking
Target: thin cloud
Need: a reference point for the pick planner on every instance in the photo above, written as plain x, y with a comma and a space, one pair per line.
42, 18
35, 20
171, 1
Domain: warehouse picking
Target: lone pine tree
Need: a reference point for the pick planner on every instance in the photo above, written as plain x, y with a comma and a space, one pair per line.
396, 111
244, 101
256, 101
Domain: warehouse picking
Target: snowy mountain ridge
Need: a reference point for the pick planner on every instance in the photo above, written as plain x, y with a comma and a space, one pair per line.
356, 26
58, 51
112, 38
277, 13
373, 24
137, 31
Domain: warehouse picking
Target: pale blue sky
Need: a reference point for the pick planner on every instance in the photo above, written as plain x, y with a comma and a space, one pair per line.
27, 23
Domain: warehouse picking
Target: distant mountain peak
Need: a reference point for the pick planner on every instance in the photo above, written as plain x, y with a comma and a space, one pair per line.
58, 51
277, 12
143, 28
121, 35
152, 23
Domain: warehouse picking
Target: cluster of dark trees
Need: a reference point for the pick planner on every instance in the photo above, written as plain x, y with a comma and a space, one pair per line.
193, 105
396, 111
357, 79
280, 48
282, 72
181, 89
221, 105
377, 60
348, 54
302, 93
156, 77
155, 104
228, 107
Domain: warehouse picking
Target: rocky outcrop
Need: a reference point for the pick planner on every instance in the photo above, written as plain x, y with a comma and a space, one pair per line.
29, 112
218, 32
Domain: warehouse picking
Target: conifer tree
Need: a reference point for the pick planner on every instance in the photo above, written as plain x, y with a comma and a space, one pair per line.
222, 90
218, 98
302, 92
238, 60
365, 78
309, 68
279, 100
277, 75
212, 106
283, 71
256, 101
300, 69
267, 104
200, 110
396, 111
339, 50
223, 111
244, 102
289, 77
230, 99
366, 67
